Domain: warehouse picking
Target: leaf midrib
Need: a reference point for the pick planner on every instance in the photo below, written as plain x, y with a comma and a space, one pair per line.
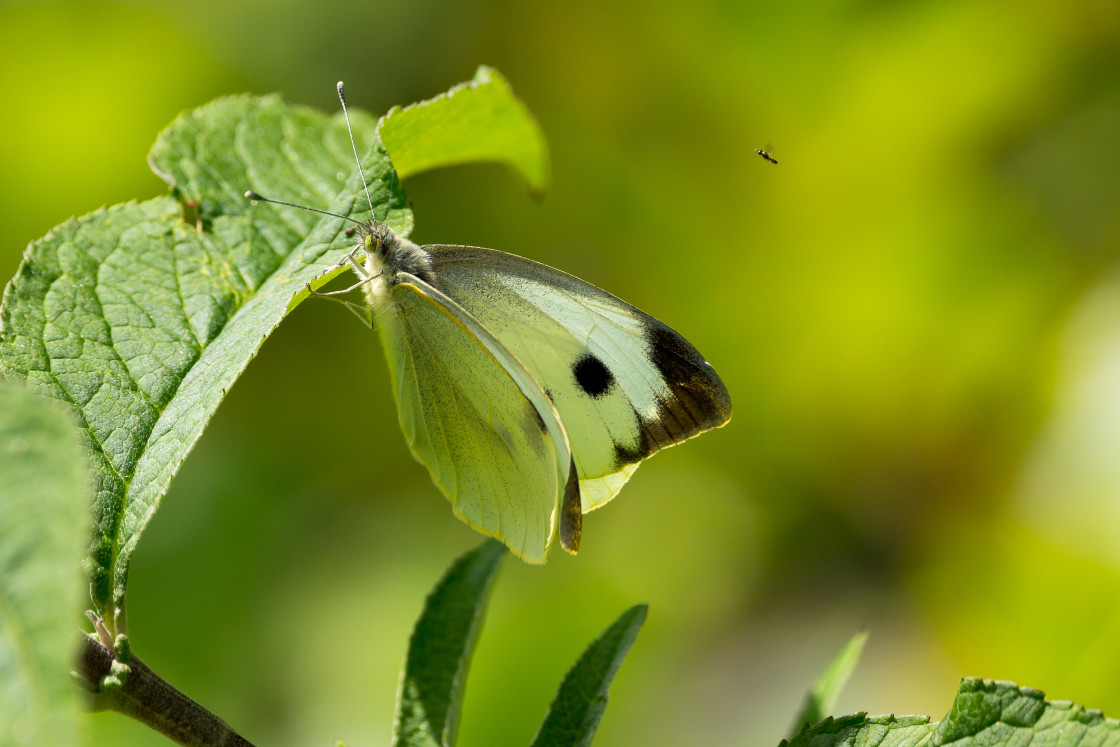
157, 432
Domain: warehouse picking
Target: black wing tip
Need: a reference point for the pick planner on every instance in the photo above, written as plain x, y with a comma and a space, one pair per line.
718, 402
698, 399
571, 512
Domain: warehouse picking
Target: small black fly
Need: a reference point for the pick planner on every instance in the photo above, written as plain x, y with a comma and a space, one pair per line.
766, 155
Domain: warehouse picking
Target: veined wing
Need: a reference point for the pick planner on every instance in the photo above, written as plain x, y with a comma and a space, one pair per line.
625, 384
477, 420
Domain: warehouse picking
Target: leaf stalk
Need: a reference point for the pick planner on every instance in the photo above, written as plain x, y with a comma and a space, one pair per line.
150, 699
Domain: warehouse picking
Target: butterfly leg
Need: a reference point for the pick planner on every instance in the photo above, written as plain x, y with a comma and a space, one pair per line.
355, 265
358, 269
361, 311
357, 309
344, 291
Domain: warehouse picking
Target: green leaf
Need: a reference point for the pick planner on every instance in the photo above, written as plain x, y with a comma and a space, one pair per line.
439, 652
477, 121
44, 523
986, 712
821, 700
141, 316
140, 321
581, 699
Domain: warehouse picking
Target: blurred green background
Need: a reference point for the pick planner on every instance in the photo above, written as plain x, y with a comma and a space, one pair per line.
917, 314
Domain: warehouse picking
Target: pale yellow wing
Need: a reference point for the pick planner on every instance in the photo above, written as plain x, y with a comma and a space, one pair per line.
479, 422
625, 384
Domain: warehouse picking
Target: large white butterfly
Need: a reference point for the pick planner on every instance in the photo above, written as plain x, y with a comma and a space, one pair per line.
530, 395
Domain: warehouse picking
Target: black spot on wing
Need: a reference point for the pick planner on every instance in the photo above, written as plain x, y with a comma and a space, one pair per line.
592, 375
697, 399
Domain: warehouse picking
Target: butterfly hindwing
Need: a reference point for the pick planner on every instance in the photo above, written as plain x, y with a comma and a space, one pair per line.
625, 384
473, 416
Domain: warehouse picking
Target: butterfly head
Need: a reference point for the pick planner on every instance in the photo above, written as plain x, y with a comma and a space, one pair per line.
392, 254
376, 238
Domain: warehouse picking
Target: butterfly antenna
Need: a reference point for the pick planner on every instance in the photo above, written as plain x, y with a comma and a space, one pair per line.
250, 194
342, 100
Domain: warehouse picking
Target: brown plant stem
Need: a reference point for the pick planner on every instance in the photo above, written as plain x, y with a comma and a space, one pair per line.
148, 698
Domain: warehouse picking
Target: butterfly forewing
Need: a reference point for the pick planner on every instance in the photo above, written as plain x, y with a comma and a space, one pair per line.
625, 385
490, 439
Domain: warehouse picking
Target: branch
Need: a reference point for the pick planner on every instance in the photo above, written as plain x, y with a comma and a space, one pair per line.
147, 697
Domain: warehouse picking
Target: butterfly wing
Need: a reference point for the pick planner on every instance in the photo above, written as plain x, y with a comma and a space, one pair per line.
625, 384
477, 420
